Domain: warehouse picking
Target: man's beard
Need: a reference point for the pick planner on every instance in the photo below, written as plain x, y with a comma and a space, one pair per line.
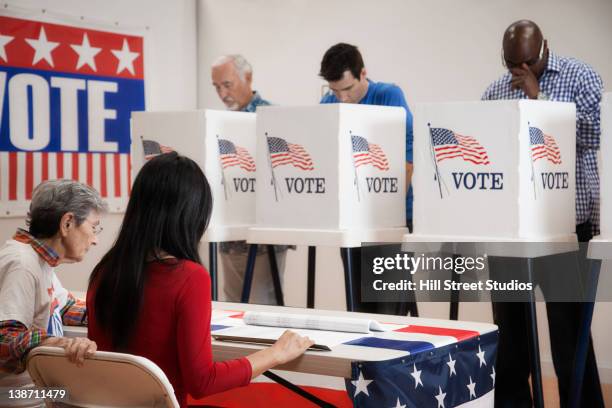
233, 105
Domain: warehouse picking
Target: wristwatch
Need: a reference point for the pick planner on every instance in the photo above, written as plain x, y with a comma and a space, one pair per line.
542, 97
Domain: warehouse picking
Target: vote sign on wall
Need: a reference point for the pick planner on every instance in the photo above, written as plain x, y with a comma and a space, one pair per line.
66, 97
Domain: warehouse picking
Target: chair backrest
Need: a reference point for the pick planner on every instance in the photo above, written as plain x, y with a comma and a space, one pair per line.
105, 379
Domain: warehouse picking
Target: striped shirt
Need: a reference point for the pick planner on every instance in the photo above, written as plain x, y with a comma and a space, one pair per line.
570, 80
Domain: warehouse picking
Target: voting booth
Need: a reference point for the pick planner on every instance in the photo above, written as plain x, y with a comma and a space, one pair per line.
495, 170
223, 145
605, 166
599, 246
330, 174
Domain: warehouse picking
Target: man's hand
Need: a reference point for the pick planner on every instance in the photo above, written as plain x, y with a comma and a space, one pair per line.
76, 348
523, 78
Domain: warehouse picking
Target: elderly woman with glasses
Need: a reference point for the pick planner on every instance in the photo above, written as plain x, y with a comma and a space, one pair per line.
63, 222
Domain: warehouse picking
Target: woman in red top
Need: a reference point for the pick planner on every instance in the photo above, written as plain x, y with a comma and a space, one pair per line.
150, 294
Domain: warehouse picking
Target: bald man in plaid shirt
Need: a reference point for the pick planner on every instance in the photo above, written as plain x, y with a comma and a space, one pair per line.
535, 72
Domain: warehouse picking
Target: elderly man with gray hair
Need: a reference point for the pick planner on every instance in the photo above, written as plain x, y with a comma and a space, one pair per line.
63, 222
232, 77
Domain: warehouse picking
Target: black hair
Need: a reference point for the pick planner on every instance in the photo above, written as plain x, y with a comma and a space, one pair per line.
169, 209
340, 58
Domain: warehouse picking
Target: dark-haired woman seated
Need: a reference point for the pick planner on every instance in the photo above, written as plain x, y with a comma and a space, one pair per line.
150, 294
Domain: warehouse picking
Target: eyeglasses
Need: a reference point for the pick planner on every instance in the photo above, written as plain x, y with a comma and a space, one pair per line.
511, 65
95, 228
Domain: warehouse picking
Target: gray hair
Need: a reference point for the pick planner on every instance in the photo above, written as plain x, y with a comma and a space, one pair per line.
240, 63
53, 198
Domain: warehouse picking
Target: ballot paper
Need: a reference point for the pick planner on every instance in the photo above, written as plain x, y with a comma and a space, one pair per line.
267, 327
312, 322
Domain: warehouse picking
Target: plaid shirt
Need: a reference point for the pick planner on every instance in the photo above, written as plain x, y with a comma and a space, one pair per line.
45, 252
570, 80
15, 338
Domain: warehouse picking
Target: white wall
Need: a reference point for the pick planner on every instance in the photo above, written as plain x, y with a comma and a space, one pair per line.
170, 77
437, 50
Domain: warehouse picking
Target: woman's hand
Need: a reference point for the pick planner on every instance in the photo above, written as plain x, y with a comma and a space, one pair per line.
290, 346
76, 348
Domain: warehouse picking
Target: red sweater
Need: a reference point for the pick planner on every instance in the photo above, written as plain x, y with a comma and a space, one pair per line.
173, 331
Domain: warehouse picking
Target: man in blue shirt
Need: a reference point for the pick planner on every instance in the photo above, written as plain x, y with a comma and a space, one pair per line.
535, 72
343, 69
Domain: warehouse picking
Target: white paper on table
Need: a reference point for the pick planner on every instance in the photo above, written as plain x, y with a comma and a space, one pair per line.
313, 322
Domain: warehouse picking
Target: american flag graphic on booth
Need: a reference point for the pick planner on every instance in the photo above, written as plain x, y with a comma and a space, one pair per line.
449, 145
543, 146
66, 97
283, 152
365, 152
233, 155
151, 149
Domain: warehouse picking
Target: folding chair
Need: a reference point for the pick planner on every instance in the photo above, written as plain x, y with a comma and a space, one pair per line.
105, 379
